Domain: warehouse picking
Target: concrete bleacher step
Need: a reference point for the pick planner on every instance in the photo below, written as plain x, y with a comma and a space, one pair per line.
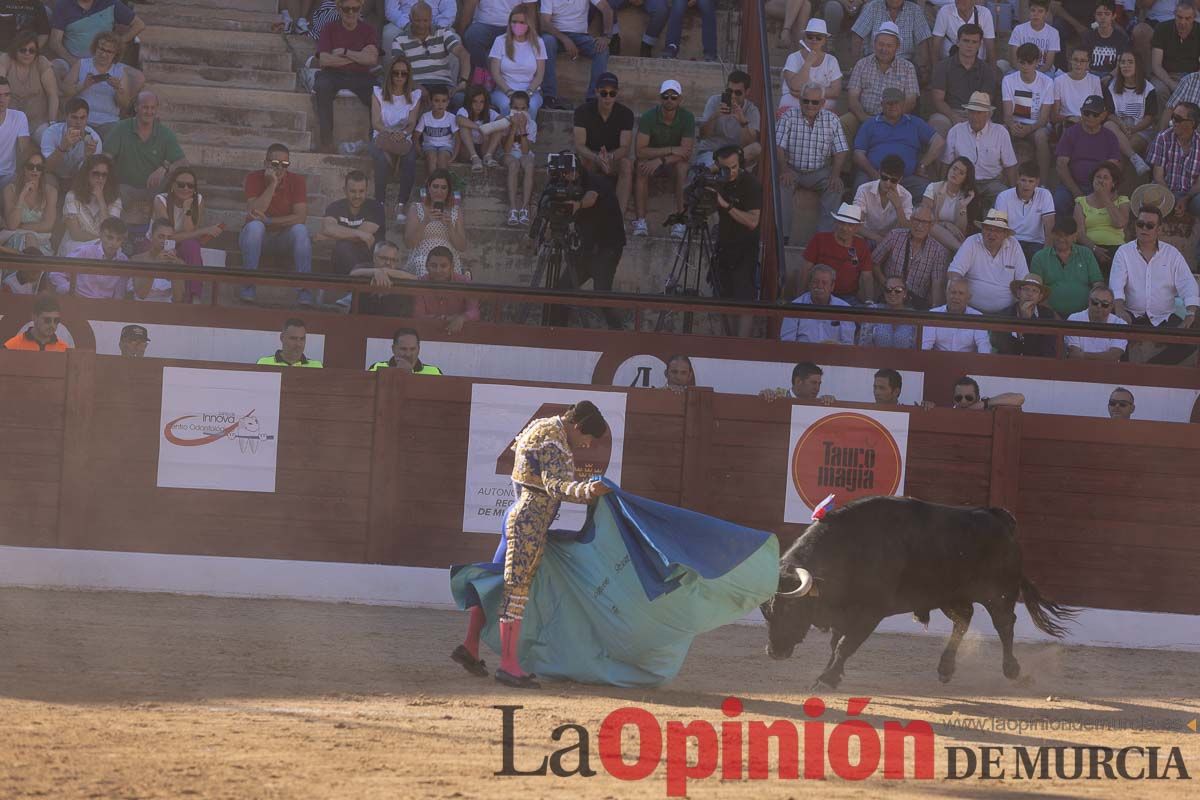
191, 15
243, 136
260, 6
227, 48
205, 75
324, 173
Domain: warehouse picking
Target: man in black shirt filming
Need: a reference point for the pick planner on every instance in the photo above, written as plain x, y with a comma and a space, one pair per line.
738, 199
595, 233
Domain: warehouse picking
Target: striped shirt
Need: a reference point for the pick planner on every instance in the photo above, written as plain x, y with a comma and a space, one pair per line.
430, 58
810, 147
867, 78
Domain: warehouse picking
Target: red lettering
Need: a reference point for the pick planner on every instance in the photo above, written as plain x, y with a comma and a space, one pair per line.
894, 735
868, 750
649, 743
731, 741
760, 750
814, 740
678, 768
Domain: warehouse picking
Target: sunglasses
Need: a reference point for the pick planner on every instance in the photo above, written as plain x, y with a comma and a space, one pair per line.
812, 102
1178, 120
29, 51
669, 96
283, 164
36, 167
888, 178
964, 398
1101, 303
1119, 403
185, 184
1148, 226
607, 93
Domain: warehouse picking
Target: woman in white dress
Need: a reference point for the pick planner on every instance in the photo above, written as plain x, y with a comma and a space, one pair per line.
395, 109
811, 64
93, 198
435, 221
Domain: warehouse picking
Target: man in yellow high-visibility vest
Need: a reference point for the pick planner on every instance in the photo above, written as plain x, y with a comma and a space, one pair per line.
291, 352
406, 354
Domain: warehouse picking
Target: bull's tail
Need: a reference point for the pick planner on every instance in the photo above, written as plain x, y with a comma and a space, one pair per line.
1041, 610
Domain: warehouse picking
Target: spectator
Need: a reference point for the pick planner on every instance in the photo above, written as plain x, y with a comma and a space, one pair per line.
106, 248
986, 144
810, 64
806, 385
20, 16
1187, 91
564, 25
439, 131
1080, 151
665, 140
14, 135
517, 62
485, 21
158, 247
402, 15
916, 39
30, 209
822, 329
347, 52
1175, 156
886, 387
956, 340
355, 224
1038, 33
42, 334
989, 261
291, 352
889, 334
1027, 97
708, 28
679, 373
1103, 216
106, 84
476, 112
1066, 268
959, 78
325, 14
1030, 295
601, 230
1030, 210
836, 12
1098, 312
436, 221
875, 74
894, 133
1148, 276
406, 355
603, 135
1136, 103
950, 20
75, 25
276, 210
145, 152
183, 206
730, 123
846, 252
518, 156
1074, 87
66, 145
885, 203
1106, 42
452, 309
793, 13
434, 51
133, 342
812, 149
953, 203
1176, 48
395, 109
968, 396
1120, 403
34, 85
658, 11
385, 268
916, 260
92, 199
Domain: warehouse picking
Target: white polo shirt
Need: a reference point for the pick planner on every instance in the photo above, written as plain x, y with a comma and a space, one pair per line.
955, 340
990, 276
796, 329
990, 150
878, 220
1025, 218
1150, 288
1095, 344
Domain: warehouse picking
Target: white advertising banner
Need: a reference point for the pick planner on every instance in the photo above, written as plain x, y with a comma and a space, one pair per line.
219, 429
498, 414
849, 453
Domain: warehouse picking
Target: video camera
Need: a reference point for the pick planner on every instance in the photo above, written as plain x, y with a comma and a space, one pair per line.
554, 205
699, 203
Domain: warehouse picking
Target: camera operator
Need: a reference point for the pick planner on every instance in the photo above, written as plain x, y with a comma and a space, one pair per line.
739, 199
595, 215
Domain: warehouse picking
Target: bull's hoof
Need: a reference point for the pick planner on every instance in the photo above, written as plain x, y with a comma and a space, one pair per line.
1012, 670
778, 655
826, 680
945, 677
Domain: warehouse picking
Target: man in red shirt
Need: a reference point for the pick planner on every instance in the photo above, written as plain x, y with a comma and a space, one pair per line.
847, 253
276, 208
42, 334
347, 50
451, 308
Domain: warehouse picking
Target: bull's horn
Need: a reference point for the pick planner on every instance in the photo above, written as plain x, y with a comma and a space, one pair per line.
806, 584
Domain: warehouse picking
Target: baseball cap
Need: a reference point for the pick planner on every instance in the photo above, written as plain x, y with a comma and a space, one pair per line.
1093, 103
889, 27
670, 86
892, 95
608, 79
134, 332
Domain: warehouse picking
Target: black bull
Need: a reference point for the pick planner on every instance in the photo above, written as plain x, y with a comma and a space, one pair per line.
881, 556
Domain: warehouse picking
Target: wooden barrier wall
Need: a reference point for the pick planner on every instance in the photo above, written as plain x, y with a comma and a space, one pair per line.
371, 470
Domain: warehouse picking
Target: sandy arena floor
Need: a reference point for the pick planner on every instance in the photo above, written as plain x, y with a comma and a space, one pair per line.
112, 695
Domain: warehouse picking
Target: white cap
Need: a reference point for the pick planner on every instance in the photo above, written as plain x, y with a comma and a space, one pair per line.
817, 26
889, 27
670, 86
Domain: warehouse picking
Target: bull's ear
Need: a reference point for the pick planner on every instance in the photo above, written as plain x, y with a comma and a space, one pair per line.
815, 591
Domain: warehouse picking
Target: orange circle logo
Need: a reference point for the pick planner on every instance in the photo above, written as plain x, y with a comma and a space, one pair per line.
847, 454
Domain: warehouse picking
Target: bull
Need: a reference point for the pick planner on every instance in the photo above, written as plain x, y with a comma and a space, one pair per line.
880, 556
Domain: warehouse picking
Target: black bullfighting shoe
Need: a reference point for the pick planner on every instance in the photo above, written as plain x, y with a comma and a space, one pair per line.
470, 663
522, 682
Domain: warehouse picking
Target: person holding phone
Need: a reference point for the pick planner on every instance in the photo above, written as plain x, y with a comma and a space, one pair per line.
437, 220
102, 81
730, 118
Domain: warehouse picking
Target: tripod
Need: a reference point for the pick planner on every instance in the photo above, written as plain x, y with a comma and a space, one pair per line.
688, 266
548, 273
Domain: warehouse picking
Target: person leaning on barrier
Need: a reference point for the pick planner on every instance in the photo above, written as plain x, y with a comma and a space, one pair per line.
406, 355
385, 269
291, 352
1030, 293
1120, 403
967, 395
818, 330
806, 385
886, 387
1098, 312
41, 335
679, 373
